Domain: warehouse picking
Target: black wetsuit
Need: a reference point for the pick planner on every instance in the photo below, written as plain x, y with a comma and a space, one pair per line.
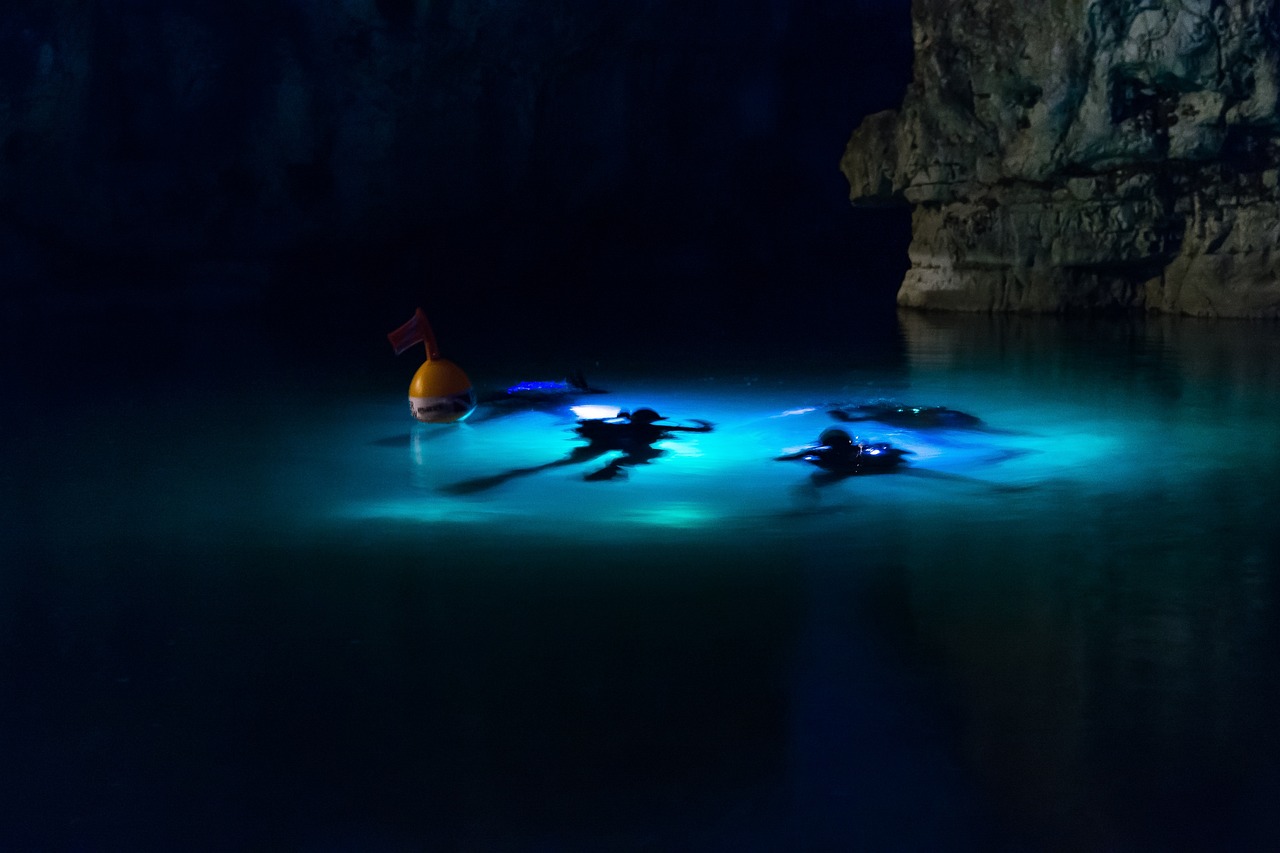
837, 452
634, 435
919, 417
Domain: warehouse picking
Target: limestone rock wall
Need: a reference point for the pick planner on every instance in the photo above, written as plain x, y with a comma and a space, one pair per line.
1085, 154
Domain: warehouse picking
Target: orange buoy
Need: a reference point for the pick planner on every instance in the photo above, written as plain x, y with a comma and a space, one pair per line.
440, 393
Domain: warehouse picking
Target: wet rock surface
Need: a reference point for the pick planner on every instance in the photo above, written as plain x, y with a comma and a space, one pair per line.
1097, 155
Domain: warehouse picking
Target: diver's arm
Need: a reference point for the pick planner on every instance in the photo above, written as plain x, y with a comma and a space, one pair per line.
702, 426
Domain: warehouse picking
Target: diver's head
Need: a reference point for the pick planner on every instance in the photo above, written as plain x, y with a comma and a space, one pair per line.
835, 438
645, 416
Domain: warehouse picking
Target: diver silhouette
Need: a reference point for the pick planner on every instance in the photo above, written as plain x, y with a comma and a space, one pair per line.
553, 397
839, 455
919, 417
632, 435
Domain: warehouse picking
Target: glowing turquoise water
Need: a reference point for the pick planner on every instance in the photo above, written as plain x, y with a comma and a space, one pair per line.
261, 612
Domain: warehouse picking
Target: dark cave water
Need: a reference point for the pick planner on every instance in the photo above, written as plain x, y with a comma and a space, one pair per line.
250, 615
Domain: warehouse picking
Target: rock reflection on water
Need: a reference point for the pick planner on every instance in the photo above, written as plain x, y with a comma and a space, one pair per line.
1111, 650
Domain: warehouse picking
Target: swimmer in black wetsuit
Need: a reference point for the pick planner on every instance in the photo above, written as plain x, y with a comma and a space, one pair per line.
918, 417
544, 392
544, 396
631, 434
841, 455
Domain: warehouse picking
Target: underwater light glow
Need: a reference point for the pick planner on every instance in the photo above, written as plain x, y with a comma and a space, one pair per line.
673, 515
410, 510
676, 448
596, 412
519, 474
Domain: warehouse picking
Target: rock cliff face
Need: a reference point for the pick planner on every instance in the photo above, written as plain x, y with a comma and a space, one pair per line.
1085, 154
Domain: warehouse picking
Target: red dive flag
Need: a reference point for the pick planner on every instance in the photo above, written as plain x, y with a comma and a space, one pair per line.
416, 331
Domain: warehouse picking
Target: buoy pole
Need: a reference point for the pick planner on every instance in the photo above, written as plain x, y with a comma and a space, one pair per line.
428, 335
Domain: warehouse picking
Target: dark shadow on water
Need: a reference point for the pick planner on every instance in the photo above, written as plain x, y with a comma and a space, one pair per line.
631, 436
577, 456
962, 479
